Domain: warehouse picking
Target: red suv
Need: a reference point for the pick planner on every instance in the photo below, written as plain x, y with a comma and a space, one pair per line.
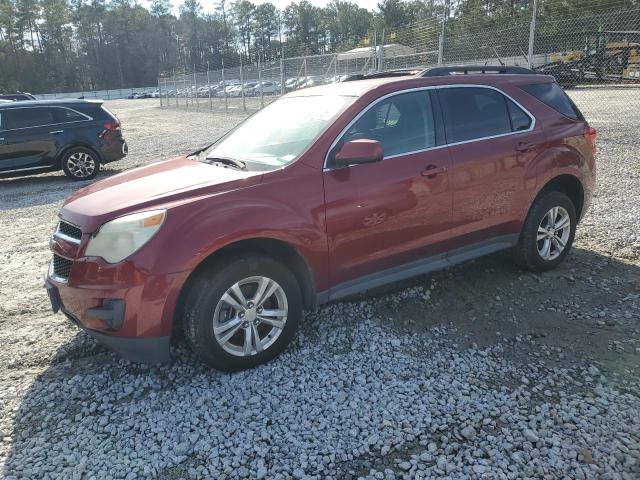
326, 192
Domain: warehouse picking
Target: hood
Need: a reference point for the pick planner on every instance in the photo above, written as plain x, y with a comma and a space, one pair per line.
152, 186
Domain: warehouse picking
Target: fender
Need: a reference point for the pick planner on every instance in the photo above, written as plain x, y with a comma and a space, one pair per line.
563, 159
203, 227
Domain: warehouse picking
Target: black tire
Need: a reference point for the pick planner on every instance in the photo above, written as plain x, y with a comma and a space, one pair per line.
89, 159
526, 253
204, 295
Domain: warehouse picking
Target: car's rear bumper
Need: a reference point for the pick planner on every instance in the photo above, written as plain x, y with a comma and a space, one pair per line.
114, 149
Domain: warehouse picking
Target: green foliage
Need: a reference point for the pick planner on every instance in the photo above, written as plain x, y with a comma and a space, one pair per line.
58, 45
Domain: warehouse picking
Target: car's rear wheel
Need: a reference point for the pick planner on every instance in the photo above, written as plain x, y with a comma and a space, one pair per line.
80, 164
242, 313
548, 232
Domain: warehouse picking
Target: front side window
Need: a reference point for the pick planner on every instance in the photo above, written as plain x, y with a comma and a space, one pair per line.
280, 132
29, 117
403, 123
472, 113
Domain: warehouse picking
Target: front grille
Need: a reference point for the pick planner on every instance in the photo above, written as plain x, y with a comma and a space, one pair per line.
61, 266
70, 230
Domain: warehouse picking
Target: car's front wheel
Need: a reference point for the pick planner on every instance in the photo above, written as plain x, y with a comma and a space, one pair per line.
242, 313
548, 232
80, 164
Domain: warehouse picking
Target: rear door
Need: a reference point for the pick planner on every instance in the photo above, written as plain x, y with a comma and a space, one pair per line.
488, 136
32, 138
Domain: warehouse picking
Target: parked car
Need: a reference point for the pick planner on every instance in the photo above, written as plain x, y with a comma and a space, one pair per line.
290, 84
321, 196
14, 97
227, 91
311, 81
234, 91
265, 87
76, 136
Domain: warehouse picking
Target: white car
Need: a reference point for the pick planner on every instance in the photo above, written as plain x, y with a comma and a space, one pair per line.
266, 87
227, 91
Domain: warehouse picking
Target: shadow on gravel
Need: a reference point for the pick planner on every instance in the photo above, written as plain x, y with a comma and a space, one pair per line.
367, 383
584, 306
30, 191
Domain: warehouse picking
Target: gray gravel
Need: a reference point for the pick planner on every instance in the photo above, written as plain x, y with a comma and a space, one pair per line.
480, 371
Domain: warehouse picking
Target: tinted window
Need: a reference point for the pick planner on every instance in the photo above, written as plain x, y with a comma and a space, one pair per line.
552, 95
519, 119
63, 115
29, 117
402, 123
471, 113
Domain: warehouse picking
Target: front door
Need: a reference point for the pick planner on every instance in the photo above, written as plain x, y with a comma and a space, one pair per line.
381, 215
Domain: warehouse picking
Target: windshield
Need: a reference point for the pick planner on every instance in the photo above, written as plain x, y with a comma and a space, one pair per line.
280, 132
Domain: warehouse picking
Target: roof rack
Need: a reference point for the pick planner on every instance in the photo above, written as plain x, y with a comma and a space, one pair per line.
403, 72
466, 69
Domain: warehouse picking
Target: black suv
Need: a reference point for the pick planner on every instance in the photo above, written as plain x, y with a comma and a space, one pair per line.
76, 136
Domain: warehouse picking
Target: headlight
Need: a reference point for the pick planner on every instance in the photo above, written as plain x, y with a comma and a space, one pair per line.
119, 238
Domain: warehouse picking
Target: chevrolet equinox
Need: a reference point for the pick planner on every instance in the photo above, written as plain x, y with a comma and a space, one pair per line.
326, 192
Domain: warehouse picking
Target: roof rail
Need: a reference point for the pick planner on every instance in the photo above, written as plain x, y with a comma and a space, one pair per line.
466, 69
401, 72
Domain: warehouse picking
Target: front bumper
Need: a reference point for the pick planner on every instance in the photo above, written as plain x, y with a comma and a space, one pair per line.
125, 306
136, 349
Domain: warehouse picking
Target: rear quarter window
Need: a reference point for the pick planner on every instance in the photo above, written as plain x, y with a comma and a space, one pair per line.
553, 96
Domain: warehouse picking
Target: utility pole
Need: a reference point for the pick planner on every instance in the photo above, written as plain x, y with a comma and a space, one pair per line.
445, 16
532, 33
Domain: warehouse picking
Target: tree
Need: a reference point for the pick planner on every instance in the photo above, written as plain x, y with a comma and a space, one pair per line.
244, 11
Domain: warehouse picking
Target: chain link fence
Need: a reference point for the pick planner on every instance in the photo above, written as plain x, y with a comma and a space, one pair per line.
250, 87
597, 47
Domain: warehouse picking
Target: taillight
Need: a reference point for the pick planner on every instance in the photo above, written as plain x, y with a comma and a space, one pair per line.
590, 135
110, 126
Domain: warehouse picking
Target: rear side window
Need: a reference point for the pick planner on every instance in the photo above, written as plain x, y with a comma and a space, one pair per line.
552, 95
29, 117
519, 120
472, 113
64, 115
109, 113
402, 123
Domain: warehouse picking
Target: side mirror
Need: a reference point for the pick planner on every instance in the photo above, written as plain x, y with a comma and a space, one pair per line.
356, 152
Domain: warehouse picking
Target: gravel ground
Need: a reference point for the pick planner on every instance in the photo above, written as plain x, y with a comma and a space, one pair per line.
479, 371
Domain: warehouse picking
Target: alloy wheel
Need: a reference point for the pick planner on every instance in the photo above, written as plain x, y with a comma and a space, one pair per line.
553, 233
250, 316
81, 164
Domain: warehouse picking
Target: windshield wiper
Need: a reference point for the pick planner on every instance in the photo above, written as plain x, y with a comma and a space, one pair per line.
239, 164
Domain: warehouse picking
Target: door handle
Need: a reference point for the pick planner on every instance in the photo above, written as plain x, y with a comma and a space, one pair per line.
432, 170
55, 132
523, 146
